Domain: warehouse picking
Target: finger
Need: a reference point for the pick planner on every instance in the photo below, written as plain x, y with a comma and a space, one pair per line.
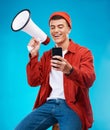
56, 61
31, 42
57, 69
58, 57
55, 65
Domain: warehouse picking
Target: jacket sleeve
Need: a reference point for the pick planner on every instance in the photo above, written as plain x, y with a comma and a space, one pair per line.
84, 75
34, 71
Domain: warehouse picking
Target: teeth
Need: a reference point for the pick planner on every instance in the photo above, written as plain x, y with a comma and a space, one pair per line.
56, 35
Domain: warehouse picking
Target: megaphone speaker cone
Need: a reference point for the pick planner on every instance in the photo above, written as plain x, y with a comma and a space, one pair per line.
20, 20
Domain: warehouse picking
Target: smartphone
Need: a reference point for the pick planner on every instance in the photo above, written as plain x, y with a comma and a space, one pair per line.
57, 51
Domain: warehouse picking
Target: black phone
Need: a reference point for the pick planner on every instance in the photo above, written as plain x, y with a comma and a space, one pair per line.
57, 51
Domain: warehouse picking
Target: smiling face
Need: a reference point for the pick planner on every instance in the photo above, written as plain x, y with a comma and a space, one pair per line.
59, 30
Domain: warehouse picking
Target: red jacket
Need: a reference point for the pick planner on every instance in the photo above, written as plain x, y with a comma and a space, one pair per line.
76, 85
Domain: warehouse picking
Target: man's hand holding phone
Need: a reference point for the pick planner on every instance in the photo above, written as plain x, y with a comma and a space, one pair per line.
59, 63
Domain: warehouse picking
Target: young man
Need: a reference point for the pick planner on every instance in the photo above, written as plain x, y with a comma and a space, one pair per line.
64, 81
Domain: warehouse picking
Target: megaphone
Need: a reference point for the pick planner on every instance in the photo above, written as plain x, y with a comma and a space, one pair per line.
22, 21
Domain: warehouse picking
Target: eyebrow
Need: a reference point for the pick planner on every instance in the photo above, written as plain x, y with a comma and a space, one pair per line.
57, 25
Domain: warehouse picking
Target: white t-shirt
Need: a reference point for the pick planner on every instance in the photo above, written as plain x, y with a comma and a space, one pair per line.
56, 83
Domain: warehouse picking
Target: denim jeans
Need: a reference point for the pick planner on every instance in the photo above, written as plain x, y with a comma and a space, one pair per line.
53, 111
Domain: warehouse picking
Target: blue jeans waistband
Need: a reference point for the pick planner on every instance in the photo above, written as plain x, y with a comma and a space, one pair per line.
57, 100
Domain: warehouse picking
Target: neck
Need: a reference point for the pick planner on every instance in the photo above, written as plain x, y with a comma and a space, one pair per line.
64, 45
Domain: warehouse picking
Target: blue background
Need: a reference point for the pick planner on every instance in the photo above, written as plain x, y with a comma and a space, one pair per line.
90, 28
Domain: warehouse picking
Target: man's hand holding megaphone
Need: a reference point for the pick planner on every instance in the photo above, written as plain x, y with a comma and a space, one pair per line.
34, 46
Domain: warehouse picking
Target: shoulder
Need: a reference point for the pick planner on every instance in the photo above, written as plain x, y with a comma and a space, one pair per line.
80, 50
75, 47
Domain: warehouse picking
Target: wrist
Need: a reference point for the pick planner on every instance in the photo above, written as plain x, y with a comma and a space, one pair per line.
70, 71
34, 52
31, 55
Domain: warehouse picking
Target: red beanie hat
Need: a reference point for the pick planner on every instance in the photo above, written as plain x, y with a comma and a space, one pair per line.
64, 15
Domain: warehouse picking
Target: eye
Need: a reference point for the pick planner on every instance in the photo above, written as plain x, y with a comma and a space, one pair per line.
60, 26
52, 27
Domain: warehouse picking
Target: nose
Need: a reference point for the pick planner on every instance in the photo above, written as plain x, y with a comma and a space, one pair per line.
55, 29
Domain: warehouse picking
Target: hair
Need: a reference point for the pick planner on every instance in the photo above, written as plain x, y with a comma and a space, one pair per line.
57, 17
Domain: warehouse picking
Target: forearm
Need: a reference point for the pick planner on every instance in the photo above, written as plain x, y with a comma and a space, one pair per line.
33, 72
83, 78
84, 73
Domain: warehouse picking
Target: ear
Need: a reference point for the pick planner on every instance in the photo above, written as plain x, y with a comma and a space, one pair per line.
69, 30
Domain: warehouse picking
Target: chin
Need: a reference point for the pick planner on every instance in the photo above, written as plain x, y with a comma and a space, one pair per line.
58, 41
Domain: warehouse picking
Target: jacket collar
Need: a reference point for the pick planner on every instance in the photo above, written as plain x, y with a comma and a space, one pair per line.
72, 47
